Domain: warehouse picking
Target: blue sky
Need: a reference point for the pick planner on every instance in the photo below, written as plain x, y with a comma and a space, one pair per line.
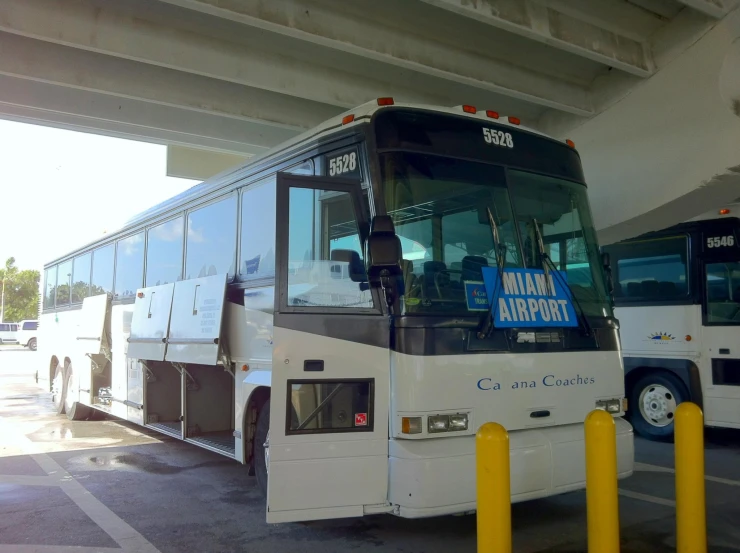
62, 189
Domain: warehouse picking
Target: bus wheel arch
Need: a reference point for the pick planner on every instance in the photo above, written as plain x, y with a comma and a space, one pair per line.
74, 409
257, 400
53, 362
59, 387
654, 394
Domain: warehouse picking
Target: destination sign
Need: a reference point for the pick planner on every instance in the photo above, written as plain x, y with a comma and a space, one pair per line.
528, 298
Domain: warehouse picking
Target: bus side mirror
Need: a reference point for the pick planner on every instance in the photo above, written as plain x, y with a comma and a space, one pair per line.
354, 263
383, 248
607, 264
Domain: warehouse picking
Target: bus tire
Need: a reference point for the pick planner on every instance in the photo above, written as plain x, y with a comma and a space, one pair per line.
75, 410
32, 344
59, 389
261, 453
653, 401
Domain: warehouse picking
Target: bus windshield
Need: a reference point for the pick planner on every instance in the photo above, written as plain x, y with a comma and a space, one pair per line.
441, 206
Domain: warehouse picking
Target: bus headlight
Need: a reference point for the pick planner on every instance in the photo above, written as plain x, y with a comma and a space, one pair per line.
609, 405
438, 423
458, 422
447, 423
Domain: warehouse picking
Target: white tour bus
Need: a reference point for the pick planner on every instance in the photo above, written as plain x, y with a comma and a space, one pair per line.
332, 271
677, 297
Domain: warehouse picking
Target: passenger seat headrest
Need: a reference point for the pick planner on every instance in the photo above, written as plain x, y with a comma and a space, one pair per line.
382, 224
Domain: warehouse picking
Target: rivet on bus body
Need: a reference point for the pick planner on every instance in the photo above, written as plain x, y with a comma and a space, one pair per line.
287, 361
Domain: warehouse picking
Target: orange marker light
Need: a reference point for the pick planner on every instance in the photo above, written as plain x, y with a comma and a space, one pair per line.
245, 368
492, 114
570, 143
724, 211
514, 120
385, 101
470, 109
688, 337
348, 119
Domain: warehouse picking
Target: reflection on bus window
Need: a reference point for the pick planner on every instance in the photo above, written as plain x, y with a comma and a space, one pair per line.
258, 231
322, 232
723, 293
81, 277
102, 271
560, 209
129, 265
212, 240
164, 253
653, 270
50, 285
64, 279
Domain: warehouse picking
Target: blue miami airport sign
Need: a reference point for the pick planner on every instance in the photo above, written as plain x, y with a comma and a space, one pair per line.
522, 298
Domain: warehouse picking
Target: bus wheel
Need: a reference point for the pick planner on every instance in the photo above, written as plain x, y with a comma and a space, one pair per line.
654, 399
59, 389
32, 344
74, 409
262, 447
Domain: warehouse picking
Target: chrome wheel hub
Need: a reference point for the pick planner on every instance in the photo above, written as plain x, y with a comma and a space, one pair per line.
657, 405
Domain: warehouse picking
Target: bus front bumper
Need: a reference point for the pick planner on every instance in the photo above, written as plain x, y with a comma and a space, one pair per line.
437, 476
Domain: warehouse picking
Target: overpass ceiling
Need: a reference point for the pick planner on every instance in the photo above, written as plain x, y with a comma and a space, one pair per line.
243, 75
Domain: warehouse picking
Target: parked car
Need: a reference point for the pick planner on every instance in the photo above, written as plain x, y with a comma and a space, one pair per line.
8, 333
26, 335
23, 333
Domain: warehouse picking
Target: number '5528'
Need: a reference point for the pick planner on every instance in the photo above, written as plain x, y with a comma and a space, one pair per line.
498, 138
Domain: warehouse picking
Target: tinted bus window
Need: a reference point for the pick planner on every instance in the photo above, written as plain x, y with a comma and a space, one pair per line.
211, 246
653, 270
30, 325
129, 265
102, 271
258, 232
50, 283
164, 253
64, 278
81, 278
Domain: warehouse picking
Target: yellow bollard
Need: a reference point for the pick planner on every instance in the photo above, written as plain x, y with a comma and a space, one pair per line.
494, 489
602, 505
691, 517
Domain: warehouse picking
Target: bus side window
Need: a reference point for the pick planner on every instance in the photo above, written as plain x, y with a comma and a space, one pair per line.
64, 278
164, 252
211, 242
320, 223
129, 265
652, 270
102, 271
81, 277
258, 231
50, 285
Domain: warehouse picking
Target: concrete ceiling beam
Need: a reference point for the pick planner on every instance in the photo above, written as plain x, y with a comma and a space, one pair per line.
713, 8
541, 22
65, 107
369, 37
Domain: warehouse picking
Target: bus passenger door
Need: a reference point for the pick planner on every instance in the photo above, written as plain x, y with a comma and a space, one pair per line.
721, 343
328, 439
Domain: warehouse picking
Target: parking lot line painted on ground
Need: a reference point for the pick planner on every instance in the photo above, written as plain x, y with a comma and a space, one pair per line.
124, 535
645, 467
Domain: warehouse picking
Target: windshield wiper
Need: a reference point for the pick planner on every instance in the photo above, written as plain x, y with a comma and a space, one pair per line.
500, 255
582, 319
